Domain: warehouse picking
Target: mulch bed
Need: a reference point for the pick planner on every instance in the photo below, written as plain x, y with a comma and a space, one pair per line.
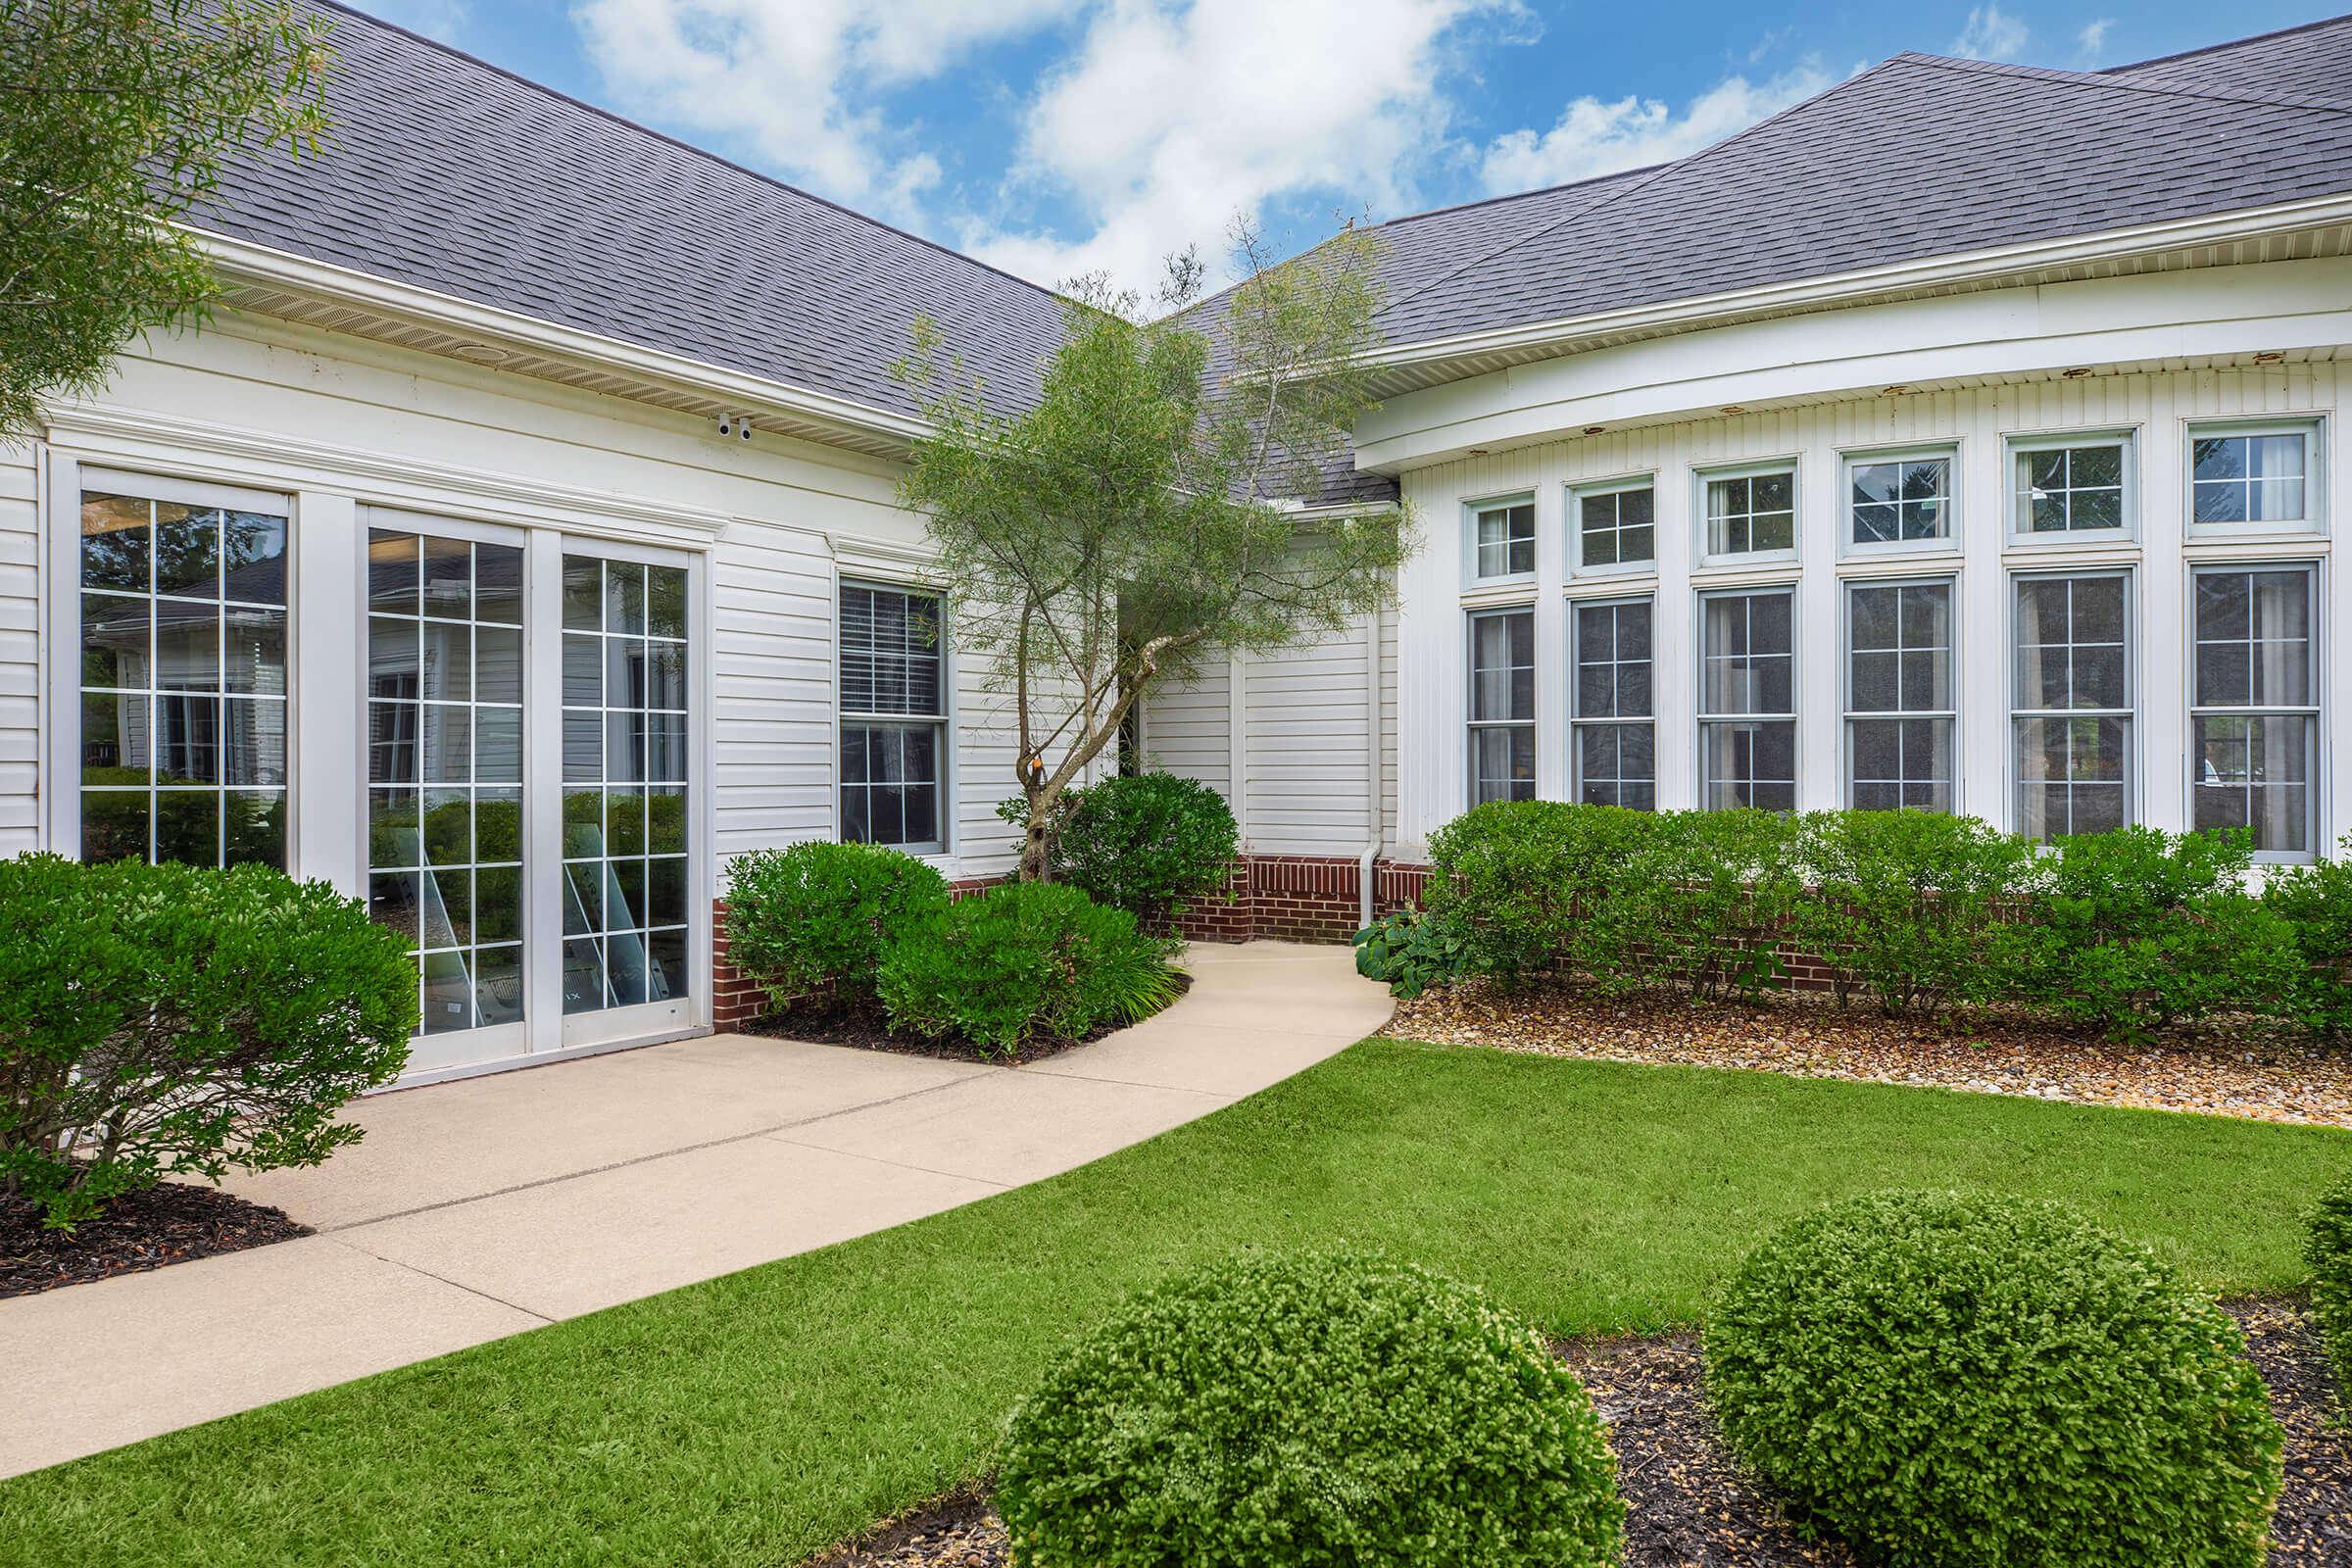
2228, 1067
165, 1224
825, 1021
1688, 1506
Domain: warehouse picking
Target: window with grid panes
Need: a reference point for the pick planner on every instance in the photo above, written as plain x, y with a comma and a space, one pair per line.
893, 717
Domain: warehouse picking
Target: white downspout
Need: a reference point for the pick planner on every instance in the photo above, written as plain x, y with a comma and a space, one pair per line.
1372, 738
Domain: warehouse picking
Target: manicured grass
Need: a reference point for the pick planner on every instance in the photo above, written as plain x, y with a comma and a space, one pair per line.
758, 1418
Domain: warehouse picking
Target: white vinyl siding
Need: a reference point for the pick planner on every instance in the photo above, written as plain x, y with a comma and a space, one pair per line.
1305, 750
19, 655
1188, 727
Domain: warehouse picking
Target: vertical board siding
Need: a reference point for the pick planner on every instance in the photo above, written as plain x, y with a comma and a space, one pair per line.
2155, 406
19, 654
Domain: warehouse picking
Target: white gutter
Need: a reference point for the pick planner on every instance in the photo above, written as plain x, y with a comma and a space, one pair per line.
244, 262
2255, 223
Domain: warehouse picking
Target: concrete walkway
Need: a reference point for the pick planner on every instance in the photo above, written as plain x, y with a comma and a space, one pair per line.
485, 1207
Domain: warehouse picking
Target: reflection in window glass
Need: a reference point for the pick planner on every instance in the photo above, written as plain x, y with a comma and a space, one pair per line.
1898, 697
2253, 707
1751, 512
625, 766
1617, 527
183, 678
1506, 540
2071, 489
1748, 696
1900, 498
1616, 755
2072, 718
2250, 479
1502, 705
445, 768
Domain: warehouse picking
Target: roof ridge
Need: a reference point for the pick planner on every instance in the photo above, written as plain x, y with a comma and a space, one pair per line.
2226, 44
2104, 83
1655, 172
1500, 197
702, 152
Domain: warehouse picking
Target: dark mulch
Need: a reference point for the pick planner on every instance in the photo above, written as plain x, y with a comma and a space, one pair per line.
826, 1021
165, 1224
1688, 1506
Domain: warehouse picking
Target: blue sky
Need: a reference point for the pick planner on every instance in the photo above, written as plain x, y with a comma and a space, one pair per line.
1053, 137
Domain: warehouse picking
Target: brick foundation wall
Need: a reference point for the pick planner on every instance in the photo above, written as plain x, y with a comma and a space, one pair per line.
1300, 898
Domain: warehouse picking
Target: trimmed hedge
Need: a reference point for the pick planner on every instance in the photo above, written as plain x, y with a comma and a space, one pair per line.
819, 916
2328, 1248
2127, 931
1023, 960
171, 1020
1313, 1410
1950, 1382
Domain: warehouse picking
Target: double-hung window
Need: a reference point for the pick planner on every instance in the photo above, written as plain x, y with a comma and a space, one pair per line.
2072, 721
1751, 514
2264, 475
1503, 540
892, 719
1747, 699
2253, 703
1900, 710
1502, 705
1616, 758
2071, 485
1899, 498
1616, 524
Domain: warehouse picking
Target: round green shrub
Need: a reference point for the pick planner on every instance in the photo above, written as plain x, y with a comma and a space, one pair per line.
176, 1021
1950, 1382
1151, 844
1324, 1409
1022, 960
819, 916
2328, 1248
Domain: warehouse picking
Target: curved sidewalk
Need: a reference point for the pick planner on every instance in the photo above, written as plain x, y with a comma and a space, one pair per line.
484, 1207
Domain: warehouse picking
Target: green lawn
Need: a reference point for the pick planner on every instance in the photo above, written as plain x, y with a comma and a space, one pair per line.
758, 1418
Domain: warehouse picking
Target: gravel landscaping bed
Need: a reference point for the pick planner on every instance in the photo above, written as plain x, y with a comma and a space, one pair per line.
864, 1028
2230, 1068
165, 1224
1687, 1504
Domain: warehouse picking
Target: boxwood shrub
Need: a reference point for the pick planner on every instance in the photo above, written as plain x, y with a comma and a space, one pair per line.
819, 916
1152, 844
1022, 960
1531, 883
2315, 901
1950, 1381
2328, 1248
166, 1020
1322, 1409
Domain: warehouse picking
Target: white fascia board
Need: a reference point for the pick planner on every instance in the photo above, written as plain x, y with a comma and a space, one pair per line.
242, 260
1936, 271
2135, 319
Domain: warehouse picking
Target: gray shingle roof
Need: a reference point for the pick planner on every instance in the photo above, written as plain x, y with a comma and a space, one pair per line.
457, 177
1918, 157
449, 174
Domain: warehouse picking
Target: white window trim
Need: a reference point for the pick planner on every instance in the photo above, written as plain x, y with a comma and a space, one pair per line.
2312, 427
2019, 536
2314, 787
1573, 528
1576, 769
1957, 713
1471, 722
1471, 577
1702, 551
1948, 543
942, 853
2134, 772
1701, 717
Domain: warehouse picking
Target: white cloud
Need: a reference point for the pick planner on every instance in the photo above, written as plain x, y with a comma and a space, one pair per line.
2092, 41
1171, 118
782, 78
1990, 33
444, 20
1594, 138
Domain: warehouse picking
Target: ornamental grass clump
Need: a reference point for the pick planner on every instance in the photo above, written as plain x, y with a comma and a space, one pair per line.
171, 1020
1954, 1382
2328, 1248
1324, 1409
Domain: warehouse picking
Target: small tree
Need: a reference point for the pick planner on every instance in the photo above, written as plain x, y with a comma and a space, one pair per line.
1147, 512
116, 116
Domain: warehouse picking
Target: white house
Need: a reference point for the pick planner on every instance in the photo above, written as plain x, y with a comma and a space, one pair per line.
520, 543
